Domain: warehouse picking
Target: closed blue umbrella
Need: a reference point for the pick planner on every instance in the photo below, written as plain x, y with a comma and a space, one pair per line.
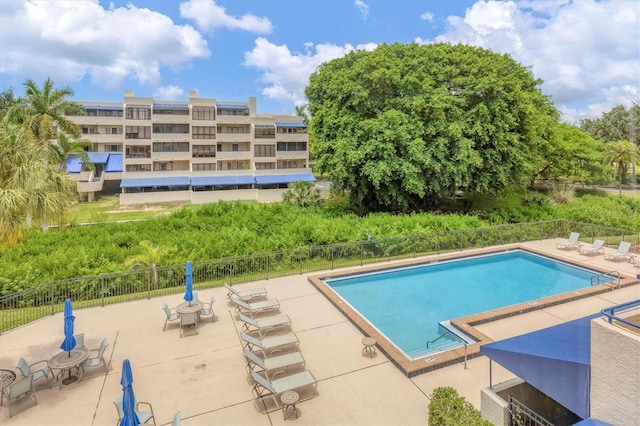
188, 295
129, 418
69, 341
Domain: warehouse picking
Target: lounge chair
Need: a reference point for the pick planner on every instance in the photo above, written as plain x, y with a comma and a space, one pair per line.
143, 416
268, 345
208, 309
40, 373
21, 389
571, 243
252, 308
172, 315
264, 325
245, 294
272, 366
595, 248
97, 359
265, 388
622, 253
188, 321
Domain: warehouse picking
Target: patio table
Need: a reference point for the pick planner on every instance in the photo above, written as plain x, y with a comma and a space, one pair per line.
66, 361
184, 307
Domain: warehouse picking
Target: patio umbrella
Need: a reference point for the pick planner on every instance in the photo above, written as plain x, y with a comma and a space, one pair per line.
129, 417
188, 295
69, 341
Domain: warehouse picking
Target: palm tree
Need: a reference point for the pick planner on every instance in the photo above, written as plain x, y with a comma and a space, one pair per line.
150, 257
303, 194
65, 147
621, 154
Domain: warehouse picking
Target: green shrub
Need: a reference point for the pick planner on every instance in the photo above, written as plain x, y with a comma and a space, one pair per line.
447, 408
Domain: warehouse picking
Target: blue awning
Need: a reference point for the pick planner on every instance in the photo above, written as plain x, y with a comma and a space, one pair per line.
103, 107
273, 179
157, 181
221, 180
229, 106
114, 163
592, 422
74, 162
292, 124
554, 360
171, 106
98, 157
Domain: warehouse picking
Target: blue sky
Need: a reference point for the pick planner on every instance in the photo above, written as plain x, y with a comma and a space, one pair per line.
586, 51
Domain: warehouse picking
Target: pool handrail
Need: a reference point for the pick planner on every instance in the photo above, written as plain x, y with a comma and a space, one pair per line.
610, 312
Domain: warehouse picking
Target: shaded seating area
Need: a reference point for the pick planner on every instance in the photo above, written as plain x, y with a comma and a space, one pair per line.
143, 416
622, 253
263, 325
267, 392
245, 294
571, 243
595, 248
20, 395
38, 370
253, 308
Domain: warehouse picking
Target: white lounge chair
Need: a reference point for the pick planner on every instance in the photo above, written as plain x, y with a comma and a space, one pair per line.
622, 253
245, 294
264, 325
271, 389
595, 248
274, 365
252, 308
268, 345
571, 243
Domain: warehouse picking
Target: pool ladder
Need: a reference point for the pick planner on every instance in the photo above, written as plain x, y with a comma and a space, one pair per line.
611, 278
464, 342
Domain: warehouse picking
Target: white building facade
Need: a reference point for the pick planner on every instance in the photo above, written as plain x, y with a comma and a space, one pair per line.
197, 151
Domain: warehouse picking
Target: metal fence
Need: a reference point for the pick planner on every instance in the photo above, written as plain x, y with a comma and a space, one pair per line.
100, 290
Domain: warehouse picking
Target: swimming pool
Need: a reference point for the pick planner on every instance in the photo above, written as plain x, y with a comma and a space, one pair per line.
411, 306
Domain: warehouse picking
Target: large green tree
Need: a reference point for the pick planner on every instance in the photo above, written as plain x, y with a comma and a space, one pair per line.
618, 124
403, 124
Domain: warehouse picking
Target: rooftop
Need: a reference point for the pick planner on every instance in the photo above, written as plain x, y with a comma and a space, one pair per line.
204, 376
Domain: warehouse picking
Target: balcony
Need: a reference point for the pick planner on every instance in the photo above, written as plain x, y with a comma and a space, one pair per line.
233, 155
233, 137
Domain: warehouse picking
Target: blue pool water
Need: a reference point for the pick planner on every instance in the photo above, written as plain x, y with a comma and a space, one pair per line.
408, 304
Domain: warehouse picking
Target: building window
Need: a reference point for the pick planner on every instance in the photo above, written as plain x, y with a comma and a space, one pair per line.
138, 167
171, 147
205, 167
265, 166
165, 166
292, 146
232, 130
89, 131
171, 111
170, 128
203, 132
239, 111
290, 130
289, 164
204, 113
199, 151
113, 130
113, 148
94, 112
264, 150
138, 151
265, 132
138, 113
137, 132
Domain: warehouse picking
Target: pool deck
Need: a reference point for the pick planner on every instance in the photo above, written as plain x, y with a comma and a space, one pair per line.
204, 375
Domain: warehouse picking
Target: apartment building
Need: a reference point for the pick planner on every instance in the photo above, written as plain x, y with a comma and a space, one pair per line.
199, 151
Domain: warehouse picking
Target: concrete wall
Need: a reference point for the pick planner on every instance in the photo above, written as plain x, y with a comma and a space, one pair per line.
494, 407
615, 373
204, 197
154, 197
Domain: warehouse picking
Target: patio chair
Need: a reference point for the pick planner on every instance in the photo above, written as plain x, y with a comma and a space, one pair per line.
96, 360
275, 365
252, 308
79, 340
19, 391
571, 243
143, 416
265, 388
176, 419
208, 310
172, 315
264, 325
268, 345
595, 248
37, 373
188, 321
245, 294
622, 253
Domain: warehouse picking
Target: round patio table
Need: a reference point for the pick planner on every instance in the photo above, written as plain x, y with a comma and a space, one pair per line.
67, 361
184, 308
6, 378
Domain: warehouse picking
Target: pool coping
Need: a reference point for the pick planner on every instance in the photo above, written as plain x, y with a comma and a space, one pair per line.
414, 367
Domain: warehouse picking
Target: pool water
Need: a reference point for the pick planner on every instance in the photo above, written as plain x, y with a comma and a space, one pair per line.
408, 305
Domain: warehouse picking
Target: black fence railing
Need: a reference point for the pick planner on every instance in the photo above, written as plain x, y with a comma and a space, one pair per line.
100, 290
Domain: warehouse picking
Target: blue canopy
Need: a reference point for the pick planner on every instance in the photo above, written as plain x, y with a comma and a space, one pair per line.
554, 360
231, 106
171, 106
222, 180
291, 124
592, 422
273, 179
114, 163
74, 163
157, 181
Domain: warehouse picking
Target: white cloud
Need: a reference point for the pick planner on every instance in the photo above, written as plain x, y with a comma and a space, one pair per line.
286, 73
585, 51
210, 16
363, 7
168, 93
427, 16
68, 40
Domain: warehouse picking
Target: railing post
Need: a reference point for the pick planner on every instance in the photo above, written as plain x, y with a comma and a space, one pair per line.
300, 260
413, 242
361, 253
51, 295
438, 242
267, 266
388, 251
102, 291
149, 283
331, 251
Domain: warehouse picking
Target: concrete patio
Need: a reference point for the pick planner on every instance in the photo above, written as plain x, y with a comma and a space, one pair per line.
204, 375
